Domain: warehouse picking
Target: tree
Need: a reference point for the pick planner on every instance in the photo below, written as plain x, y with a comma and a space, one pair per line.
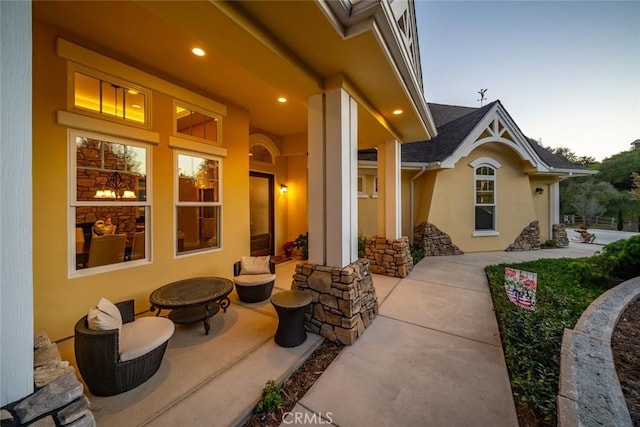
635, 186
620, 224
591, 199
619, 168
570, 157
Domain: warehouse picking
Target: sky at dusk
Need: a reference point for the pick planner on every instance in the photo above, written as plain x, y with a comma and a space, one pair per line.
568, 72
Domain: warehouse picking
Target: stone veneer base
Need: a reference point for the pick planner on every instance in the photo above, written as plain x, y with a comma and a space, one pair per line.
391, 258
528, 240
344, 299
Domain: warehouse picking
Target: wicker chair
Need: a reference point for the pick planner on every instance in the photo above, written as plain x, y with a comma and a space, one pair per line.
98, 357
254, 287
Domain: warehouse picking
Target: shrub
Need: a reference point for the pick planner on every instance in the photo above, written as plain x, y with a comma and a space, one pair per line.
271, 399
532, 339
617, 262
417, 253
362, 242
549, 244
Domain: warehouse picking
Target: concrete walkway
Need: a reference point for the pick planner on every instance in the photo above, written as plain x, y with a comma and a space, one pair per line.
433, 355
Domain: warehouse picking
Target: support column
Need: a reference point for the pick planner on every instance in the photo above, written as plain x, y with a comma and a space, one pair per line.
392, 191
554, 206
16, 263
333, 202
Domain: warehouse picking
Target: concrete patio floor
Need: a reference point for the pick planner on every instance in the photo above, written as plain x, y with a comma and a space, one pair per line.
432, 357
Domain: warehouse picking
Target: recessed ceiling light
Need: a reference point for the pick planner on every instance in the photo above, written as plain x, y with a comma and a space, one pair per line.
397, 112
282, 100
197, 51
132, 91
136, 106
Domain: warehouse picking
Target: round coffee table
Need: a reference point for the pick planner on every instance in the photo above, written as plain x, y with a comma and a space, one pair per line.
193, 300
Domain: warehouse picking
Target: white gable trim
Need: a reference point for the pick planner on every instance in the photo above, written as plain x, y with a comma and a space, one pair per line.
485, 161
497, 123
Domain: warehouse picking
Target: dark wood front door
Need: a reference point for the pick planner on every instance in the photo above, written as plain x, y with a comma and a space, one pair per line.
261, 214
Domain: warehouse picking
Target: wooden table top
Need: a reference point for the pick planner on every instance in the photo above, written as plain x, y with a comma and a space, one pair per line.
191, 292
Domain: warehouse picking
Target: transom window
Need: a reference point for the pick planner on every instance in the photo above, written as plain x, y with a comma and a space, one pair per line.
196, 123
485, 198
109, 98
109, 210
198, 203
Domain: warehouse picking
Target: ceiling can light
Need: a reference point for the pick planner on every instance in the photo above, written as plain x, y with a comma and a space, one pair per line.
197, 51
282, 99
397, 112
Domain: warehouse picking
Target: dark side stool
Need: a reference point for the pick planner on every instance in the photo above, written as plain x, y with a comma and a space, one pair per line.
290, 306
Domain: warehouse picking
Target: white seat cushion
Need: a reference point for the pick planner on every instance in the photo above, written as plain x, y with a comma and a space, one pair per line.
255, 265
143, 335
253, 279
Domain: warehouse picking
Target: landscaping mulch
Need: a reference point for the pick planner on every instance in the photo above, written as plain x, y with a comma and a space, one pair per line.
625, 345
295, 387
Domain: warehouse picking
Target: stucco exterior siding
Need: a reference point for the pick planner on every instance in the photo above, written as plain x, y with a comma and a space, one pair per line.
452, 206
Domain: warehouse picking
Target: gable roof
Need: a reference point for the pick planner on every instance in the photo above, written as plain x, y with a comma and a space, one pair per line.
458, 127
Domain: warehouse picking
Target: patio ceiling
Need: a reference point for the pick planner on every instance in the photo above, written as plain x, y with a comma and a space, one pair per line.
270, 49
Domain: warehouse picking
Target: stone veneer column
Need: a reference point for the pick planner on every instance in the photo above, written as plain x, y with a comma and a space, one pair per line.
391, 258
559, 234
344, 299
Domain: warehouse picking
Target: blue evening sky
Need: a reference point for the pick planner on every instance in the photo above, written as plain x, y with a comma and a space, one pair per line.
567, 72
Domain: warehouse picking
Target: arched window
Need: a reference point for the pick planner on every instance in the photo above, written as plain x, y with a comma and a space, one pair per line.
259, 153
485, 198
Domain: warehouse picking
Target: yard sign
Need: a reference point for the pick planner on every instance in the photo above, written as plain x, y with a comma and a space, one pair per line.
521, 287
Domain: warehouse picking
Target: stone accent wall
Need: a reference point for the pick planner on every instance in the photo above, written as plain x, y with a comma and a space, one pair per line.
559, 234
434, 241
344, 299
389, 258
528, 240
59, 398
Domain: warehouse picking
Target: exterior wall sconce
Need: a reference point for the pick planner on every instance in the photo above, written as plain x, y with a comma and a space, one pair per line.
283, 188
539, 191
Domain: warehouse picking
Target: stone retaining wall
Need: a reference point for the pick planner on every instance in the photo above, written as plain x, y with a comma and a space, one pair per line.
434, 241
559, 234
589, 391
391, 258
344, 299
59, 398
528, 240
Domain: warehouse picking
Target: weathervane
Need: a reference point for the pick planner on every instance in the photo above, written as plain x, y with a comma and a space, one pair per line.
482, 92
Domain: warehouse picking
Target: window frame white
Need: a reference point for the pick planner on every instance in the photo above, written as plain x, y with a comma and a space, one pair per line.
73, 68
74, 203
493, 178
177, 203
186, 105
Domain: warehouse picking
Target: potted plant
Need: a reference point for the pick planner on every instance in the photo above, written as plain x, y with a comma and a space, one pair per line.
302, 242
288, 248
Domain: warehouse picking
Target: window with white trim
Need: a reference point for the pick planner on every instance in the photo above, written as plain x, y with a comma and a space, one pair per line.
485, 198
108, 97
198, 124
109, 209
198, 202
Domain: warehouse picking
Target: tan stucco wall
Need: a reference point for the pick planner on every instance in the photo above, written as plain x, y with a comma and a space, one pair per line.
297, 186
452, 206
542, 204
367, 202
59, 301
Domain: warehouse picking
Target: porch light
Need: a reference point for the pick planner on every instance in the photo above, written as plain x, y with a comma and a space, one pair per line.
197, 51
283, 188
282, 99
397, 112
539, 191
115, 188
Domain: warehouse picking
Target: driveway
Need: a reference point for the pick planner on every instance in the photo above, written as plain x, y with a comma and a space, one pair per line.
604, 237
